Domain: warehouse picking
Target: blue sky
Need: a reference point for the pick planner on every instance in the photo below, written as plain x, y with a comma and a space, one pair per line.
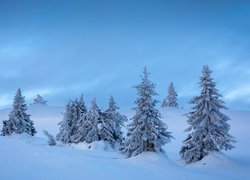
61, 49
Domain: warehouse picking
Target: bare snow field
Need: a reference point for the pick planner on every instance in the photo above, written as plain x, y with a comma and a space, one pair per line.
29, 158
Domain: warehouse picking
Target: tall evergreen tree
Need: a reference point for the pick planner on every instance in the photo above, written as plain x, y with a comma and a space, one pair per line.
19, 121
71, 124
90, 131
208, 126
114, 122
79, 111
146, 132
171, 100
65, 131
75, 116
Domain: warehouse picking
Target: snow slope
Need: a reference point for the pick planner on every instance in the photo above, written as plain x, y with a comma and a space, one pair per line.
23, 157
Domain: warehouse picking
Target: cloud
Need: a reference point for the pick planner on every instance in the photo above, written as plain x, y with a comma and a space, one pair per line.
242, 92
13, 51
5, 100
30, 94
67, 89
16, 49
9, 74
223, 65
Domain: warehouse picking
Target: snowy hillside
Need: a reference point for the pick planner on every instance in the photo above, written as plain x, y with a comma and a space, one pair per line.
23, 157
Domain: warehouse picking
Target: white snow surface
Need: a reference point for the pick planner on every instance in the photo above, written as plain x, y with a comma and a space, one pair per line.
29, 158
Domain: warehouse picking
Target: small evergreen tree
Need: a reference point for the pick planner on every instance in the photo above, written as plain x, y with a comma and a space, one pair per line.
51, 140
39, 100
8, 128
171, 100
65, 131
115, 122
19, 121
207, 124
146, 132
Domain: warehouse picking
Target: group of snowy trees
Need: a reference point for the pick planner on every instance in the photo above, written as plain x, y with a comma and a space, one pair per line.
146, 132
82, 125
209, 130
208, 127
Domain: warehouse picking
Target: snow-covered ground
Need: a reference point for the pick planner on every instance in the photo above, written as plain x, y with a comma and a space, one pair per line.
24, 157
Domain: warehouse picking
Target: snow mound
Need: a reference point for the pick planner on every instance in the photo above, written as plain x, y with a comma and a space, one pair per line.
215, 160
94, 146
151, 160
26, 139
98, 146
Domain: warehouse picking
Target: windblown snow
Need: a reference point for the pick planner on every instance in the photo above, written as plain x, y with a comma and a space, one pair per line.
25, 157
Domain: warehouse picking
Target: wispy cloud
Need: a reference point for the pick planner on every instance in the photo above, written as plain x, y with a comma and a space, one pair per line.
30, 94
8, 74
242, 92
5, 100
15, 50
88, 86
223, 65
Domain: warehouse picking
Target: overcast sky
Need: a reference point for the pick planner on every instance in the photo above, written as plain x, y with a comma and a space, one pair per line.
61, 49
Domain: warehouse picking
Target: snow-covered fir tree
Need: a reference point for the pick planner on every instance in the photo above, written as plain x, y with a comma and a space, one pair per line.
81, 106
72, 123
65, 130
74, 114
146, 132
171, 100
113, 123
8, 128
92, 123
39, 100
79, 110
208, 126
19, 121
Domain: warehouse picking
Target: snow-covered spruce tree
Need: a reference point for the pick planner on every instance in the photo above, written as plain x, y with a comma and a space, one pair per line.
71, 125
79, 110
113, 123
171, 100
19, 121
81, 107
207, 124
39, 100
7, 128
65, 130
146, 132
92, 123
74, 112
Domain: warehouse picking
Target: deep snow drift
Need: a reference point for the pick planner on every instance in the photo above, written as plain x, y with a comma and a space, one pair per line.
24, 157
